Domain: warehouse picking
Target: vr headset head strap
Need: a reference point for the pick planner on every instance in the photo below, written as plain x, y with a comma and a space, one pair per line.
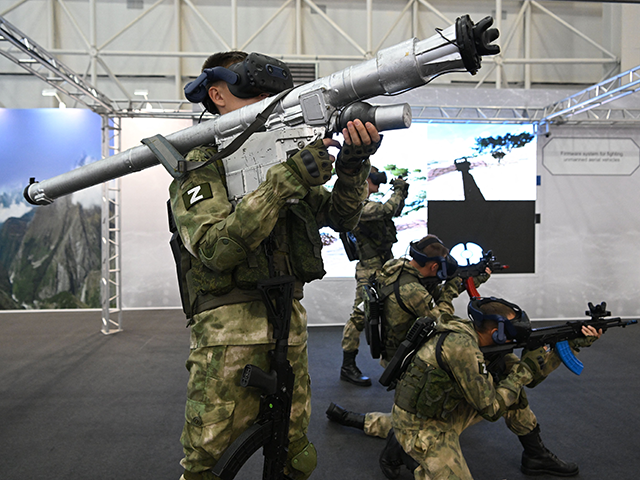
447, 265
255, 75
517, 328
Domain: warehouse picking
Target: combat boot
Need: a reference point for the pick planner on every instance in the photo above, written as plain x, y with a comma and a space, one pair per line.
349, 372
538, 460
390, 457
393, 457
337, 414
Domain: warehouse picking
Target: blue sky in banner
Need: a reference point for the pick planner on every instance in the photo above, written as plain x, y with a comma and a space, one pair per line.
43, 143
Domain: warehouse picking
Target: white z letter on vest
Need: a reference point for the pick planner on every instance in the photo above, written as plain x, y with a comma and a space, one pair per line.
194, 194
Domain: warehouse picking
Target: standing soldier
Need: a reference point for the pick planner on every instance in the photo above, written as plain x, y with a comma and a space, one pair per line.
374, 237
273, 231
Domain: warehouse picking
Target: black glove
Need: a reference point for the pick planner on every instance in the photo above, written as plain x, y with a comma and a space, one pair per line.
400, 184
312, 164
351, 157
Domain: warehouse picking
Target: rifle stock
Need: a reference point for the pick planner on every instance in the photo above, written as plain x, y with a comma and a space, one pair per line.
234, 457
306, 113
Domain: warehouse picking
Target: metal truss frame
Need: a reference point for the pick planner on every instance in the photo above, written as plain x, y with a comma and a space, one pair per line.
42, 64
37, 61
111, 279
587, 101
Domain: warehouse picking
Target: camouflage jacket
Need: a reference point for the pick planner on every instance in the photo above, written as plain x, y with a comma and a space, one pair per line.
467, 369
222, 238
376, 232
422, 301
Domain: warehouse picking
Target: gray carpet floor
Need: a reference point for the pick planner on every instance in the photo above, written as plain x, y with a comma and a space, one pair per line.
76, 404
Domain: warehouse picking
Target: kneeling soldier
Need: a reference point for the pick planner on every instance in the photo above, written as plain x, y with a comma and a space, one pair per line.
448, 388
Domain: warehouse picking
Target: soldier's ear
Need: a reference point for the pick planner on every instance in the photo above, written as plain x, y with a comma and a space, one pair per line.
216, 96
486, 337
435, 266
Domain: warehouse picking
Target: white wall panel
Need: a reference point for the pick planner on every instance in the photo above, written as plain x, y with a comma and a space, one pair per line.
586, 243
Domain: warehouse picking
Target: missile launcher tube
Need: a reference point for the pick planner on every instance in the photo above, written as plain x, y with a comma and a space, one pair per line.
401, 67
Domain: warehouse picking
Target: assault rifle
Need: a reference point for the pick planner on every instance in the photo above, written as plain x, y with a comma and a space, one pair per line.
421, 331
468, 272
558, 337
271, 430
297, 117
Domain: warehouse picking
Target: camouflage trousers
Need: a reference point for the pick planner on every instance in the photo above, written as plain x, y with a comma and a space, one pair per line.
437, 449
377, 424
355, 324
218, 409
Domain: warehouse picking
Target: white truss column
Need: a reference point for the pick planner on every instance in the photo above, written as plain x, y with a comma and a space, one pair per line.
110, 281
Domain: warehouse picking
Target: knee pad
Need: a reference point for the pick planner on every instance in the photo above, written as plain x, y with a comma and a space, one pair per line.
303, 459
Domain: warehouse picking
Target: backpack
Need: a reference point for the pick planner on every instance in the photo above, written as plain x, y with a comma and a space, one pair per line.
374, 296
373, 311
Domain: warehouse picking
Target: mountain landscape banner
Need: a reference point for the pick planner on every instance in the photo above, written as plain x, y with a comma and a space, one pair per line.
49, 256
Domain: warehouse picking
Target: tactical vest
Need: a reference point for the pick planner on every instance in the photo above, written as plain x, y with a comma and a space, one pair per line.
374, 238
293, 248
428, 391
393, 337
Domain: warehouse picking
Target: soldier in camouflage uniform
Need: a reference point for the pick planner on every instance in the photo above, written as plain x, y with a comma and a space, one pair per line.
374, 235
421, 293
272, 231
447, 388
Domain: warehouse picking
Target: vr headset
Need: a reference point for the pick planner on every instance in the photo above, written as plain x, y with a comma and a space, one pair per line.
448, 264
517, 329
256, 74
378, 177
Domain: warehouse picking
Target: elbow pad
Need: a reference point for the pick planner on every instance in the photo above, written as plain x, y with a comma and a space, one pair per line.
224, 255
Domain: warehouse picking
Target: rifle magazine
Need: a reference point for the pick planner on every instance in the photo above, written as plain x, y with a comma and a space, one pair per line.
568, 358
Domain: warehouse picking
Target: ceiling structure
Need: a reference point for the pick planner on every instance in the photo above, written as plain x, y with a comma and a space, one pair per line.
105, 69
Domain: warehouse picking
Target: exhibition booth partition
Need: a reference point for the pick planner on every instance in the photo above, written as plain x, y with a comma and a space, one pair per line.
558, 207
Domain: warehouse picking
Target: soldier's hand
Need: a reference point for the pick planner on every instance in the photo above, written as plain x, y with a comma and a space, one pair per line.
535, 361
360, 142
482, 278
313, 164
400, 184
590, 336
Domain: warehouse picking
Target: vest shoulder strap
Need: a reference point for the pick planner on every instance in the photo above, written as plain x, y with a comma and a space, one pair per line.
403, 279
439, 358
